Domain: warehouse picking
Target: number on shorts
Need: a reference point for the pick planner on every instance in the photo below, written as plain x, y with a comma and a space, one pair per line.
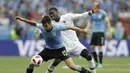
102, 40
64, 53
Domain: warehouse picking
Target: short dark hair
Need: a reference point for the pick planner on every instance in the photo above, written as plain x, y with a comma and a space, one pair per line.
53, 8
46, 19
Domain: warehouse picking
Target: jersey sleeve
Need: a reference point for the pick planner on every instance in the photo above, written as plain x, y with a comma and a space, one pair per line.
38, 25
75, 16
38, 31
61, 27
104, 14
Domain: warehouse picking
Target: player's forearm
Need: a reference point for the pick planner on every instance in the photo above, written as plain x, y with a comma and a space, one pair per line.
84, 15
86, 31
76, 29
108, 24
88, 26
28, 21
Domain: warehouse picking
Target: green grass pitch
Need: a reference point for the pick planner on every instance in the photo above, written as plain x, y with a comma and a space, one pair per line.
19, 64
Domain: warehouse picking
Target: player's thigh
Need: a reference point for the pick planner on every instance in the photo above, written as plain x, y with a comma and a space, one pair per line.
45, 54
92, 47
69, 62
101, 39
94, 39
62, 54
78, 49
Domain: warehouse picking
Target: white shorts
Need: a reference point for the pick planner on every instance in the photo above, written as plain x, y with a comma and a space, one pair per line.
76, 49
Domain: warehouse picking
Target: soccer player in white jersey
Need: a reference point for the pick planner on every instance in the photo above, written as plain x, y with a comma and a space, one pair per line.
70, 38
54, 44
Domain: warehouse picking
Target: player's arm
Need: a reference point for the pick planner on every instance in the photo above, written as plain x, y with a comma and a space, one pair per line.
86, 31
108, 26
89, 25
62, 27
108, 23
33, 23
84, 15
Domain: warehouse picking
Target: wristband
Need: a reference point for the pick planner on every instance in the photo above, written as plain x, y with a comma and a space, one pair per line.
90, 12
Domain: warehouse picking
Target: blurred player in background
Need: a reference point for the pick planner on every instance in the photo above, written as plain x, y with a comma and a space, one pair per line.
70, 38
54, 44
98, 21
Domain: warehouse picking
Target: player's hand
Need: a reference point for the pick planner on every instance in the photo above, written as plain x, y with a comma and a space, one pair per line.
17, 18
87, 31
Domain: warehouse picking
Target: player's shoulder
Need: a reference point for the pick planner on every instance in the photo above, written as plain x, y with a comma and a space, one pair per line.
57, 24
102, 11
54, 24
38, 24
67, 15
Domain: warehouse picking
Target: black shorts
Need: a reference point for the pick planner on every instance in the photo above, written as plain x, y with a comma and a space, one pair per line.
48, 54
98, 38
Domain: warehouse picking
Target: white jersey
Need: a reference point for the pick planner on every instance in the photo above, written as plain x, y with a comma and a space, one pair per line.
69, 36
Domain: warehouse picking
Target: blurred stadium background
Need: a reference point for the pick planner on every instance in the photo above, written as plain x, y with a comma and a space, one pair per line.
19, 41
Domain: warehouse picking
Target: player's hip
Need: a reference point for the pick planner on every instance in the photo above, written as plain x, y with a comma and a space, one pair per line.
98, 30
74, 46
98, 33
98, 38
71, 44
48, 53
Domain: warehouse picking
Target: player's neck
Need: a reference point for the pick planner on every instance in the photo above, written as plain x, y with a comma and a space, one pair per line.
58, 19
48, 30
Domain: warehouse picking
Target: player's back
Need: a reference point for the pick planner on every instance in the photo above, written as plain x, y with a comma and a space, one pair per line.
98, 21
53, 38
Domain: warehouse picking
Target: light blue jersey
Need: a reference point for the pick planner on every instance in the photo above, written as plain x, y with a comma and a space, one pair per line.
98, 21
53, 38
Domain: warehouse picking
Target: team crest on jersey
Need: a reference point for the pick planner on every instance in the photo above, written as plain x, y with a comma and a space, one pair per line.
99, 16
53, 33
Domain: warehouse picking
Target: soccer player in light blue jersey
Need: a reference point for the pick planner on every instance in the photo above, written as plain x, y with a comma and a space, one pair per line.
99, 21
54, 44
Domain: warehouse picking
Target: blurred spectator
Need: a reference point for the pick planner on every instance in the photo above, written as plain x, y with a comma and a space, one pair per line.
4, 20
17, 32
123, 5
33, 9
4, 23
112, 30
127, 31
119, 31
115, 11
29, 32
106, 5
128, 4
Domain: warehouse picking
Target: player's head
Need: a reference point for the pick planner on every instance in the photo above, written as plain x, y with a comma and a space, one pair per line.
96, 6
46, 22
53, 13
